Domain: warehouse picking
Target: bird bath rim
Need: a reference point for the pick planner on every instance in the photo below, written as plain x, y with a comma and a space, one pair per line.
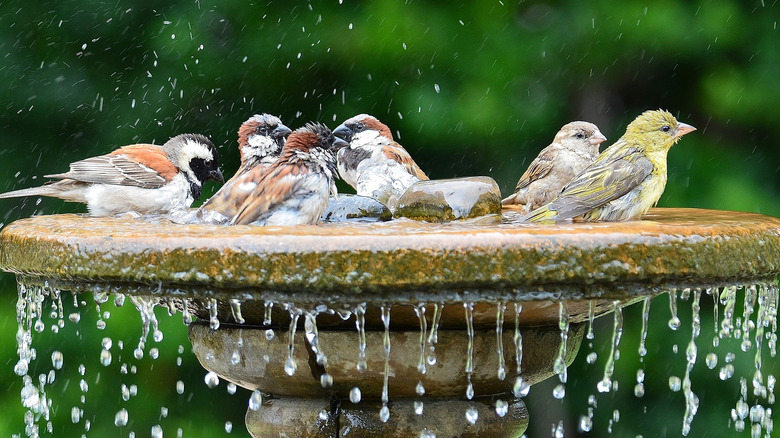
401, 260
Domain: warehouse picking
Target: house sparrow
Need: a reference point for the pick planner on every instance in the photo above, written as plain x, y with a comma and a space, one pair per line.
575, 146
374, 164
141, 178
260, 141
294, 189
625, 180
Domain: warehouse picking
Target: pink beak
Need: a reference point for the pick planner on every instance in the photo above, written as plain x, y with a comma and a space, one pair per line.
597, 138
682, 129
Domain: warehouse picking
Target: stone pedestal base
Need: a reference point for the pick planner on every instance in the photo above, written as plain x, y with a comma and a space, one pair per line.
296, 417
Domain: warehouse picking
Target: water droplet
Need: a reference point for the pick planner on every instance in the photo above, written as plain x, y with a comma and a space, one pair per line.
470, 391
228, 426
591, 357
384, 414
472, 414
639, 390
420, 389
675, 383
290, 366
586, 423
521, 387
355, 395
74, 317
438, 90
231, 388
157, 431
121, 417
711, 360
326, 380
21, 367
235, 358
418, 407
180, 387
502, 407
75, 414
559, 391
269, 334
211, 379
105, 357
255, 400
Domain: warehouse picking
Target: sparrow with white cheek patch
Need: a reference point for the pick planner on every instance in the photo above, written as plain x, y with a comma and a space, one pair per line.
575, 146
295, 188
260, 141
374, 164
141, 178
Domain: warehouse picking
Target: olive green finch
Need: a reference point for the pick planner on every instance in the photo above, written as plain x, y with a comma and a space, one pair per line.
625, 180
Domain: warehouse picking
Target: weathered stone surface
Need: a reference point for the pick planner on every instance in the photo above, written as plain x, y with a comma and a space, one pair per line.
295, 417
349, 207
262, 361
447, 200
399, 261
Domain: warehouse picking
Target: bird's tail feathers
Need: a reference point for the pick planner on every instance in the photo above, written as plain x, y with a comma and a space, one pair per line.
33, 191
541, 214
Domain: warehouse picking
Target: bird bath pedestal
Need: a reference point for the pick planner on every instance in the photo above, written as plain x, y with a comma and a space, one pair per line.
397, 328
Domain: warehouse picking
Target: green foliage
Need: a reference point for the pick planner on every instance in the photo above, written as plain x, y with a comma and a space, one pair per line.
471, 88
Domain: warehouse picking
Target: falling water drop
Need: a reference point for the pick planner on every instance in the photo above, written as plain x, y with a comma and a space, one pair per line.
255, 400
559, 366
419, 310
418, 407
729, 299
472, 414
674, 321
326, 380
645, 319
179, 387
711, 360
235, 309
591, 318
500, 309
211, 379
121, 417
231, 388
355, 395
469, 309
213, 316
674, 383
520, 388
56, 359
617, 330
502, 407
384, 413
433, 334
420, 389
360, 325
269, 305
290, 366
559, 391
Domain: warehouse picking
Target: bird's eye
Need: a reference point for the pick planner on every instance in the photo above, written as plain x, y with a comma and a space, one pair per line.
666, 128
579, 135
360, 126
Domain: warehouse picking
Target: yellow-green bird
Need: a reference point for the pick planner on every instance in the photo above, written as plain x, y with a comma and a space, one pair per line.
626, 179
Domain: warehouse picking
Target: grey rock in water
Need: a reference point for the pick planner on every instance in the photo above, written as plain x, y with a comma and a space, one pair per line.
450, 199
355, 208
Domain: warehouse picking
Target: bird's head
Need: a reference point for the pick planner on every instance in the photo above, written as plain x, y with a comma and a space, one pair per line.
657, 129
261, 136
362, 129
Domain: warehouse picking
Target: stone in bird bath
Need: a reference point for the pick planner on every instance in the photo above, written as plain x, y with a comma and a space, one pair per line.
349, 207
447, 200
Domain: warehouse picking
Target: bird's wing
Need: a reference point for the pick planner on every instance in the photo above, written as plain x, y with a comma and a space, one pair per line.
610, 177
399, 154
122, 167
277, 184
234, 192
539, 168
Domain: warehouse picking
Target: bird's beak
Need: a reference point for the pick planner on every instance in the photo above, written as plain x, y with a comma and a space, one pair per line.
281, 131
597, 138
343, 133
682, 129
338, 144
216, 175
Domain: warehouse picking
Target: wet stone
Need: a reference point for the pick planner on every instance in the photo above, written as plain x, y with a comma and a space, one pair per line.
450, 199
349, 207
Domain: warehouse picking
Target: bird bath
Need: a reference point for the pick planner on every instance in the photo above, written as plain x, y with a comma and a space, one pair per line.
400, 328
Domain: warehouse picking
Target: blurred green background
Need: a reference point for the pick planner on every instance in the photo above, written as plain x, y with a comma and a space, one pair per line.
469, 88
